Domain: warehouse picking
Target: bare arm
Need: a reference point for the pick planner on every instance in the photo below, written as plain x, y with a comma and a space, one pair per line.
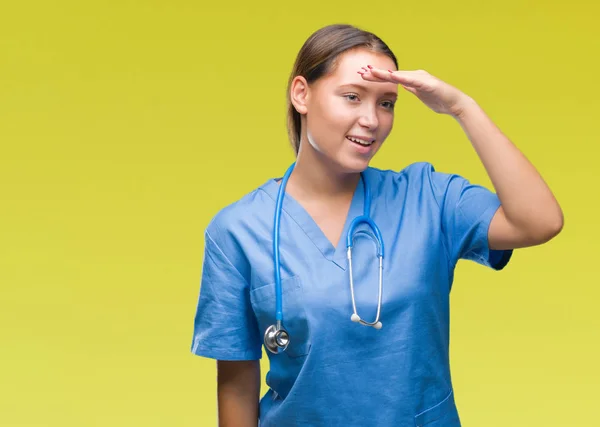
529, 215
238, 390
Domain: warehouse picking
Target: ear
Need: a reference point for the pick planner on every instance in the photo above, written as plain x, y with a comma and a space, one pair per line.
299, 94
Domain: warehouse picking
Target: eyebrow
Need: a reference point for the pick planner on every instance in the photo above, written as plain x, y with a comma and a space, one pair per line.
363, 88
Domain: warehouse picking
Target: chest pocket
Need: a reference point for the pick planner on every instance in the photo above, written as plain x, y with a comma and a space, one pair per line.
294, 314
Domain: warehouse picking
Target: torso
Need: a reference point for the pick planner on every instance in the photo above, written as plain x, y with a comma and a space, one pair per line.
331, 359
329, 356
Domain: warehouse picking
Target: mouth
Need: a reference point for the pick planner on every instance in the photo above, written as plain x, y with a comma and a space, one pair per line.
360, 141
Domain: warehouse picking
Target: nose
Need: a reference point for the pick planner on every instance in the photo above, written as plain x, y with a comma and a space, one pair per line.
368, 117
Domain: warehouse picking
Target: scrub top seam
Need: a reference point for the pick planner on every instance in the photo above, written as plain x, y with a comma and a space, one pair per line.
227, 259
447, 252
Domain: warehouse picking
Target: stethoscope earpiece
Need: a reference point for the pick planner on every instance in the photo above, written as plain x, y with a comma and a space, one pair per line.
356, 319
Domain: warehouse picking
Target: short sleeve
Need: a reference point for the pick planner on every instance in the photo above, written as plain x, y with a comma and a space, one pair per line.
225, 327
467, 211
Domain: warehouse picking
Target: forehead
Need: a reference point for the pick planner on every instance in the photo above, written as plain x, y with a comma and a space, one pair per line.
348, 65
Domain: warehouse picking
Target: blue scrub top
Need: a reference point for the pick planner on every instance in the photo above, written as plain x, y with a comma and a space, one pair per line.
335, 371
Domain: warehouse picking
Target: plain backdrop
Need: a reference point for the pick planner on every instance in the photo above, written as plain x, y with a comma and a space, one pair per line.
126, 125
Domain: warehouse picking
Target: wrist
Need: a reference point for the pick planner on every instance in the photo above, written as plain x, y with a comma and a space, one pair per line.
463, 107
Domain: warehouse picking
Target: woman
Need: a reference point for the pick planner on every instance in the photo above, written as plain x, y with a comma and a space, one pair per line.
335, 369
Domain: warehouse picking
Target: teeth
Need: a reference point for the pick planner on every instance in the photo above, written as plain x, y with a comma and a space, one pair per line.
360, 141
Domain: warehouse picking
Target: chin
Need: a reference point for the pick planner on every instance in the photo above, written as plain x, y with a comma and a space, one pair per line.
354, 165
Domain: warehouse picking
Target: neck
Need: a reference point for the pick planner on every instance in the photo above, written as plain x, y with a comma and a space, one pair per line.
315, 178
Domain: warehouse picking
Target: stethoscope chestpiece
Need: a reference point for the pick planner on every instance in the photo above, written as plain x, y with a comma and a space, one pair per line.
276, 339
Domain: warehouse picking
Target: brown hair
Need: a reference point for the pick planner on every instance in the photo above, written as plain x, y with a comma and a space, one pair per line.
317, 58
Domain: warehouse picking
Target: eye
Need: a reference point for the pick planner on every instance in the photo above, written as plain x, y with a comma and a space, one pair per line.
388, 105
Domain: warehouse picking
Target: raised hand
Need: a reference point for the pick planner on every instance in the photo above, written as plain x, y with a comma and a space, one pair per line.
433, 92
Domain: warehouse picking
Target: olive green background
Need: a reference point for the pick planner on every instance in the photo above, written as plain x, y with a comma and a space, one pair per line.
126, 125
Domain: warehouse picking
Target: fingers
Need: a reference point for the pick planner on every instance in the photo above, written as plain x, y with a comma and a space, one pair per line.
410, 89
413, 79
373, 78
406, 78
374, 75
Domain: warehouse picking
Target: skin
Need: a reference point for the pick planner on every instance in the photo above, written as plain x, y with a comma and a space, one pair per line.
327, 162
238, 393
328, 166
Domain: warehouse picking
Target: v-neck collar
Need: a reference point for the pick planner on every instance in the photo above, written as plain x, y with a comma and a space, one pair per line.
294, 209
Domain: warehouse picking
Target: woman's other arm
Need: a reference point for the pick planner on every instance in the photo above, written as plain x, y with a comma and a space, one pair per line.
238, 393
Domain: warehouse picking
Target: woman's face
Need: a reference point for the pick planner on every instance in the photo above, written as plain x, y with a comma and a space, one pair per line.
342, 106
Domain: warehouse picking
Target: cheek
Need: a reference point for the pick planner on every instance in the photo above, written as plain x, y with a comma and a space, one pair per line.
334, 113
331, 118
386, 122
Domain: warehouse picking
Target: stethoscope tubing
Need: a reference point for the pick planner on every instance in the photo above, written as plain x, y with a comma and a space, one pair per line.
276, 255
277, 332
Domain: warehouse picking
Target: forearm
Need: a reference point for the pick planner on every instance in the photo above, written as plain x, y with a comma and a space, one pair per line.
237, 410
527, 201
238, 392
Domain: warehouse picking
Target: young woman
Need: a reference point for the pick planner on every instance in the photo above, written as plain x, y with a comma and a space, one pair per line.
346, 348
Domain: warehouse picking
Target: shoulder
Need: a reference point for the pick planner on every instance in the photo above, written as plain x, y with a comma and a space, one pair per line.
419, 179
413, 169
415, 175
240, 217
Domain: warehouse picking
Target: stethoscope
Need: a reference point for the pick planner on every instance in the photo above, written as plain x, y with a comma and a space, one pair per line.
276, 336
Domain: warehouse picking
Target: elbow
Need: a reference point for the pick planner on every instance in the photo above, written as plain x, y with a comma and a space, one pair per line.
550, 228
559, 224
536, 230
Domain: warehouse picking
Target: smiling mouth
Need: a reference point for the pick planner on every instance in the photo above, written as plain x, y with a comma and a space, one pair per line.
362, 142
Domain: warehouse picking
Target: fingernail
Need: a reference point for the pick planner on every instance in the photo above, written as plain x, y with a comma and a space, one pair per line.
390, 71
369, 66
